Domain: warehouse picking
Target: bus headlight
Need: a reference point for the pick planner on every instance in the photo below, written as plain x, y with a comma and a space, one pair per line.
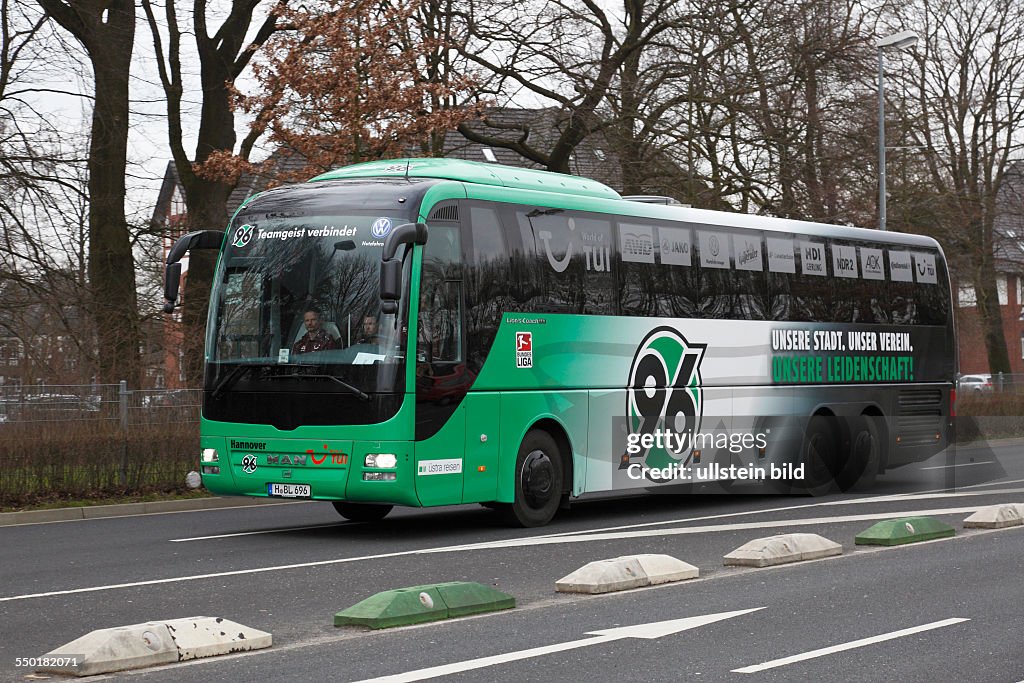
379, 476
210, 455
380, 460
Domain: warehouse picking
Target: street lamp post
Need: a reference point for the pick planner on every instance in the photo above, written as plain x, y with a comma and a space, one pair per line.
899, 41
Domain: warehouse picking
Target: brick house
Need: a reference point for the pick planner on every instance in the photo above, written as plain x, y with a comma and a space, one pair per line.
1010, 282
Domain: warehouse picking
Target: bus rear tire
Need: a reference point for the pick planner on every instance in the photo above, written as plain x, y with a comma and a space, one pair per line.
361, 512
538, 482
865, 454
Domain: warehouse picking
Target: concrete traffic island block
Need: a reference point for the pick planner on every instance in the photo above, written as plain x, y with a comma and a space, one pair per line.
996, 517
782, 549
419, 604
152, 643
904, 530
623, 573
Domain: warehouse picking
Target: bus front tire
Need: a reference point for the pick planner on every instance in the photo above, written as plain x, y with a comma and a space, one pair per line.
538, 482
362, 512
819, 455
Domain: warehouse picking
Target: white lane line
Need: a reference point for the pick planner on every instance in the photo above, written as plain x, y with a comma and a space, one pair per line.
562, 533
513, 543
848, 646
257, 533
652, 631
648, 533
964, 464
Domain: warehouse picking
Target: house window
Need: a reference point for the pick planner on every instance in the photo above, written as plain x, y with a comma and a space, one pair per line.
966, 295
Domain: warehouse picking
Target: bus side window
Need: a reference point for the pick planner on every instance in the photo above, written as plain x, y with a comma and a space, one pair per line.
488, 281
440, 320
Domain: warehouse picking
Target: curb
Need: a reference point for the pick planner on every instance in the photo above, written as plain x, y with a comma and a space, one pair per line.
131, 509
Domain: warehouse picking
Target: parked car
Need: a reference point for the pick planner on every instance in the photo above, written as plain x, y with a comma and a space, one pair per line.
976, 384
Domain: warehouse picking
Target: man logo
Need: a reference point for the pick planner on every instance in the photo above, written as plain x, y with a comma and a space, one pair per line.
243, 234
665, 391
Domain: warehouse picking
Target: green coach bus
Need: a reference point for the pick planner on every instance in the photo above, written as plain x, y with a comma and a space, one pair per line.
432, 331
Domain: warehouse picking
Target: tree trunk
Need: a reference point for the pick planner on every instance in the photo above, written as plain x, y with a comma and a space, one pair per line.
106, 29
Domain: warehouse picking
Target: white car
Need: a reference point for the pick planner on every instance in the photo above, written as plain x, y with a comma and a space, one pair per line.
976, 384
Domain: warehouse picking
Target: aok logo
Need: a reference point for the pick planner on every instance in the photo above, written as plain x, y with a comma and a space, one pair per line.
665, 392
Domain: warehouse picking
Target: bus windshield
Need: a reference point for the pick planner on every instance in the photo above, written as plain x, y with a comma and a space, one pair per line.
297, 301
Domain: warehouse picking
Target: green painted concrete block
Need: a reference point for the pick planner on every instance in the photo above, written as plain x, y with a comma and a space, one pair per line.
400, 607
465, 597
904, 530
419, 604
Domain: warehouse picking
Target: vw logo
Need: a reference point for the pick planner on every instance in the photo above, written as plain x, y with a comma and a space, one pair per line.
380, 228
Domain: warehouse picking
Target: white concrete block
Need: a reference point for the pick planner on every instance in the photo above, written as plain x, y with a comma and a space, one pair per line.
604, 576
996, 517
153, 643
198, 637
773, 550
116, 649
665, 568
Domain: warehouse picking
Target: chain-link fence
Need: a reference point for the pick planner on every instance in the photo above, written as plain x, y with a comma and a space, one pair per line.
65, 442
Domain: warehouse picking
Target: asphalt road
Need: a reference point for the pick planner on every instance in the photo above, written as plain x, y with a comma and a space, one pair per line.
288, 568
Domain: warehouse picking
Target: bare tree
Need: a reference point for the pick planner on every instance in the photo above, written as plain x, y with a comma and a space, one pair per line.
223, 55
569, 53
969, 90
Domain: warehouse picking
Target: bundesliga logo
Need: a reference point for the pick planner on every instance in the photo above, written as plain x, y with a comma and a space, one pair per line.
665, 394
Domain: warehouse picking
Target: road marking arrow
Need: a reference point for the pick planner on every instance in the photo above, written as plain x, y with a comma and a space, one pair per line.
650, 631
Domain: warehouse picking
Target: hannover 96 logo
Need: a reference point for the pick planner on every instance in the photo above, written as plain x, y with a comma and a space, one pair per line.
665, 395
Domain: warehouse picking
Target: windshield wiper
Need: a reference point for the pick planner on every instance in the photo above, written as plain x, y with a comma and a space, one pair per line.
362, 395
228, 379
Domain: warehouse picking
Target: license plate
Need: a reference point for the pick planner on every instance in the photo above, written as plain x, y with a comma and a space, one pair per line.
289, 490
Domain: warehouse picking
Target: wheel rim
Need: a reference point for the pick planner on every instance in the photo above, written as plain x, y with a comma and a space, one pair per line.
537, 478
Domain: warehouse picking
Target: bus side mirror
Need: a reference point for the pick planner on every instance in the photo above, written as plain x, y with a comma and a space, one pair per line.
391, 266
391, 280
199, 239
172, 278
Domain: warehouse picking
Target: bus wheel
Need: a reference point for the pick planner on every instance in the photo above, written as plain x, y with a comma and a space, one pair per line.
362, 512
862, 463
819, 455
538, 482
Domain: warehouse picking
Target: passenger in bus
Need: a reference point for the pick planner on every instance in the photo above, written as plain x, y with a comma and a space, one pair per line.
316, 338
371, 333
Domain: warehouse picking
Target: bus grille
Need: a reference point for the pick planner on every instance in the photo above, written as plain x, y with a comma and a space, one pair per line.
919, 416
920, 402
